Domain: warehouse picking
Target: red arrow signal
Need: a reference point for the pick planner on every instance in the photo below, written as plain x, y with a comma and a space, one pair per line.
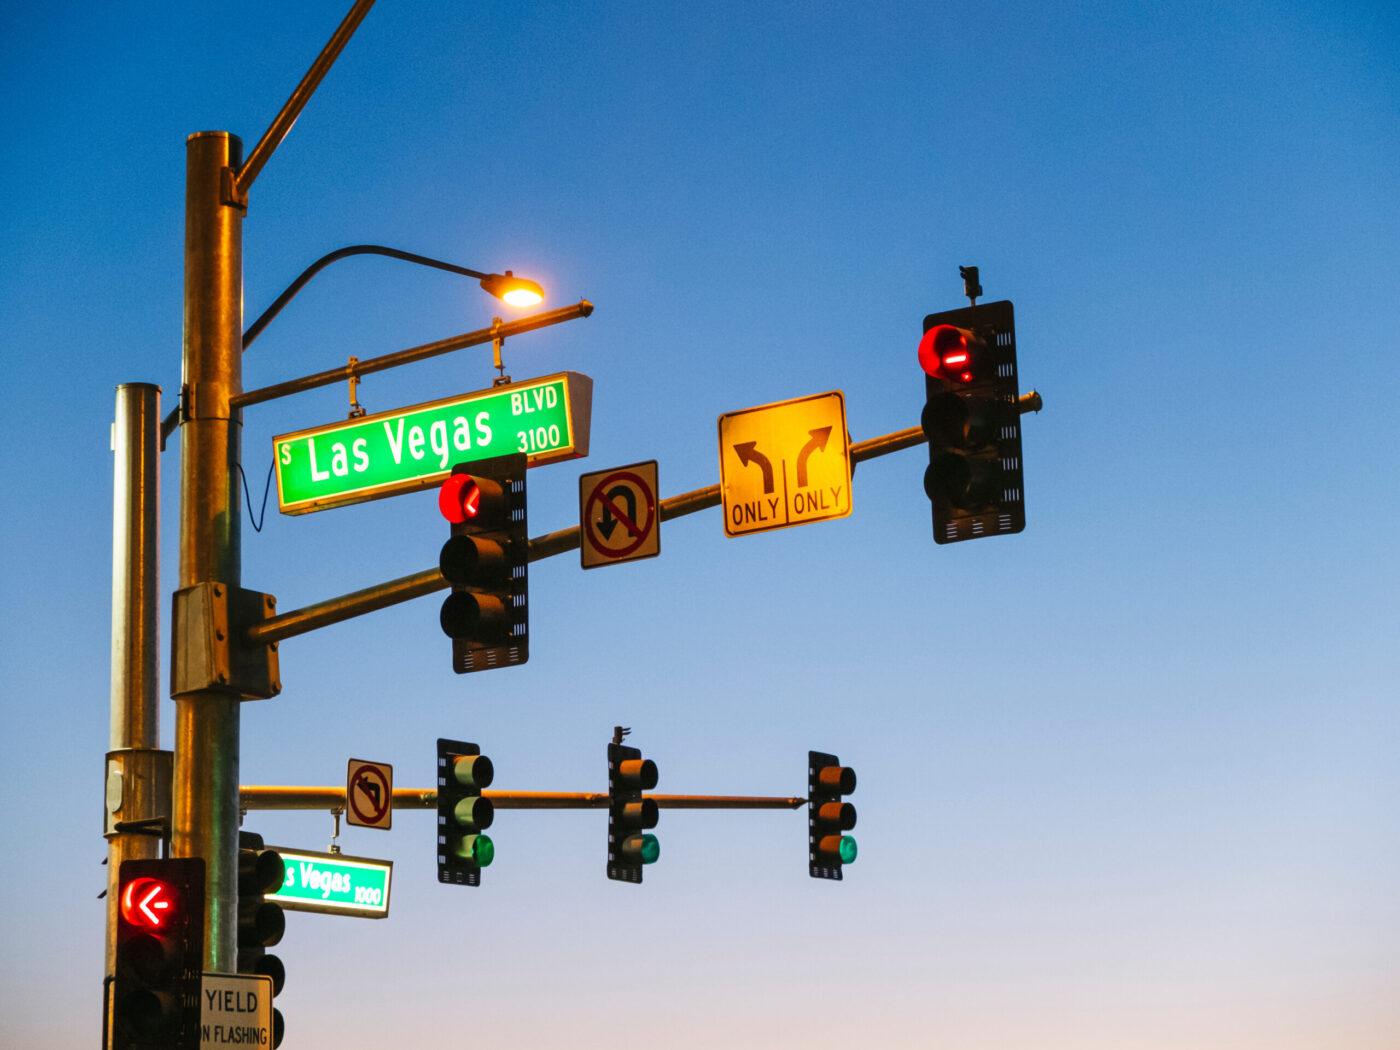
148, 902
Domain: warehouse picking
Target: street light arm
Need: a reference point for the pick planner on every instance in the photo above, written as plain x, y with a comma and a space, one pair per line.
282, 123
255, 329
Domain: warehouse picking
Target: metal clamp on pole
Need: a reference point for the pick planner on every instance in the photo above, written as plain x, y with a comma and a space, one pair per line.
208, 650
498, 342
138, 782
356, 409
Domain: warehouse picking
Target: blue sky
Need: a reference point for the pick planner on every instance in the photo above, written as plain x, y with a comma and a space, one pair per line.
1126, 779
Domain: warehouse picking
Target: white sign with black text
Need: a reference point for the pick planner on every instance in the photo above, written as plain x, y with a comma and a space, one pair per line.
235, 1009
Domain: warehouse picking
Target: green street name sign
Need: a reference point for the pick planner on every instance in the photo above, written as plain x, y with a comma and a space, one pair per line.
334, 883
414, 448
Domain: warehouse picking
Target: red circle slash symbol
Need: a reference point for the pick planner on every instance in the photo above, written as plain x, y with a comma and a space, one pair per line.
614, 492
370, 794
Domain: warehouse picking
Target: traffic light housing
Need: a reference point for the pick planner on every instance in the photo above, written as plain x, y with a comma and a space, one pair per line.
972, 420
828, 816
485, 560
159, 954
462, 850
630, 816
261, 922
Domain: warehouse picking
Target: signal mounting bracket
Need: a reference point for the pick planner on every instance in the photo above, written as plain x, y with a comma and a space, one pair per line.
208, 652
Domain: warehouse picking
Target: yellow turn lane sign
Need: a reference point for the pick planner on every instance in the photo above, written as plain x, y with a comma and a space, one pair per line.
784, 464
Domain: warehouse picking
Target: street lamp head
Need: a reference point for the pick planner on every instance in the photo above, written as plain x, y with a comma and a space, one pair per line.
517, 291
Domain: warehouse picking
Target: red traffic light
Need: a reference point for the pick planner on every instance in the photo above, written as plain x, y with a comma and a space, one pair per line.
459, 499
471, 499
946, 352
485, 560
149, 903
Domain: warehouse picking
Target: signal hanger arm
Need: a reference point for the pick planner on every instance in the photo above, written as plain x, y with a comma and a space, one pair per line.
405, 588
583, 308
288, 798
352, 371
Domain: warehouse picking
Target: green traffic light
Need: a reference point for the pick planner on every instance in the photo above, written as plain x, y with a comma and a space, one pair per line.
848, 849
479, 849
641, 849
485, 851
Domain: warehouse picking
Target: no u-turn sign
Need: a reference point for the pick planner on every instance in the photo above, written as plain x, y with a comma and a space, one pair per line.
619, 517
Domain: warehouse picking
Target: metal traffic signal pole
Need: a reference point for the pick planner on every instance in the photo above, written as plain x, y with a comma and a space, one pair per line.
381, 596
137, 781
333, 798
205, 803
205, 818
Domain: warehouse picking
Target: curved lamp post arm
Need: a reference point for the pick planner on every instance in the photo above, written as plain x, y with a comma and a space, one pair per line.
255, 329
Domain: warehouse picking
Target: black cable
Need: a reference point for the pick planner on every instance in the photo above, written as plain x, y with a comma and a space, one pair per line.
248, 496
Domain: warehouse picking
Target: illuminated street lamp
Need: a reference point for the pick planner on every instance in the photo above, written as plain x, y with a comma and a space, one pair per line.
511, 290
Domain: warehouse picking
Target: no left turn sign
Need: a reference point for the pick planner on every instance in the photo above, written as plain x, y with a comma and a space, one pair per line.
369, 794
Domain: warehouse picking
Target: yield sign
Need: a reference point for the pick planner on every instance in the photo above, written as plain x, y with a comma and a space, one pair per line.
784, 464
369, 794
618, 515
235, 1008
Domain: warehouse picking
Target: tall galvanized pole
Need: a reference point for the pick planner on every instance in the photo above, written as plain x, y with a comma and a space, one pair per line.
207, 721
137, 782
206, 808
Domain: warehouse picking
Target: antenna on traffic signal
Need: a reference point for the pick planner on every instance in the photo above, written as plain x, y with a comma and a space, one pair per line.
971, 288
